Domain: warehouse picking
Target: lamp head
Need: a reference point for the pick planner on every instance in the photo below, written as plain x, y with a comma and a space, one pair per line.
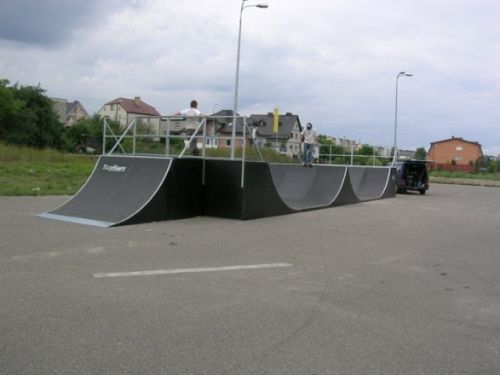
405, 74
262, 6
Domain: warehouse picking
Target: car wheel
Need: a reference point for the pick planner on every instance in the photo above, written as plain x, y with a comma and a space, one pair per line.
422, 192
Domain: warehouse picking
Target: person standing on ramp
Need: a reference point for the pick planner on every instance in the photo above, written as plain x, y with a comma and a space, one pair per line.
309, 139
192, 114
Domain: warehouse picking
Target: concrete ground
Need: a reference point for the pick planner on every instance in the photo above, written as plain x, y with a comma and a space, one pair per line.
407, 285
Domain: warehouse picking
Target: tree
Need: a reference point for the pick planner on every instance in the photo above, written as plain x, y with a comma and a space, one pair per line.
328, 149
366, 153
420, 153
9, 107
88, 132
27, 117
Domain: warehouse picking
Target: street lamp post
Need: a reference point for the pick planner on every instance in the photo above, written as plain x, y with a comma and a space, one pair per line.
395, 148
236, 82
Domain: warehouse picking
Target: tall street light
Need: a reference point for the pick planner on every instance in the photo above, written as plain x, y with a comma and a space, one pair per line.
235, 105
395, 149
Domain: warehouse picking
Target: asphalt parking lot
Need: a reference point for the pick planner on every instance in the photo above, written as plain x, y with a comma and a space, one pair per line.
407, 285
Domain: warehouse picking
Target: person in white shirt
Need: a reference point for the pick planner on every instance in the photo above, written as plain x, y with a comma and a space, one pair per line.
192, 115
309, 139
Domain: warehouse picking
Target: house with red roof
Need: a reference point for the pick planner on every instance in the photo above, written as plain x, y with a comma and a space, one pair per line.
124, 111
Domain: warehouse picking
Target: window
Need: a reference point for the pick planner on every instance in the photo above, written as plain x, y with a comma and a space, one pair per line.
228, 142
459, 148
111, 107
458, 158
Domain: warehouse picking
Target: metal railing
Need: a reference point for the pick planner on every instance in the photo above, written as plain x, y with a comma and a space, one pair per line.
173, 136
177, 134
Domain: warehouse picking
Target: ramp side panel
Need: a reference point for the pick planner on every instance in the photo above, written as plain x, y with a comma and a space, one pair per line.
224, 196
261, 198
117, 189
390, 190
179, 197
303, 188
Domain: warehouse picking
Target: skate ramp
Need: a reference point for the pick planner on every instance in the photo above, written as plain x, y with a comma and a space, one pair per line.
132, 189
277, 189
127, 190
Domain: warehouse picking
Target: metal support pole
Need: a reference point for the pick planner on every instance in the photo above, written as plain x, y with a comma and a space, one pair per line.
395, 147
236, 83
237, 78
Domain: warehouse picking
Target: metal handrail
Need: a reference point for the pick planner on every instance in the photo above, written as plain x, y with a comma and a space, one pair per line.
123, 136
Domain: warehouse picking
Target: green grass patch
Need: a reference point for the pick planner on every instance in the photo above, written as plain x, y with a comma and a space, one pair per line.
465, 175
27, 171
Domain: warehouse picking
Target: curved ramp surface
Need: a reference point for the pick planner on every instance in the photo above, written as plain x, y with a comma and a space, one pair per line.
303, 188
369, 182
277, 189
126, 190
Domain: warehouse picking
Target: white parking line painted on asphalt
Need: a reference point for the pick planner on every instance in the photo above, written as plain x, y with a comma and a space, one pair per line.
191, 270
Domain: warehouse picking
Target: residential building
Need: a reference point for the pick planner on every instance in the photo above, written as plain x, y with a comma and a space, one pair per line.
69, 112
124, 111
347, 144
285, 141
455, 153
406, 154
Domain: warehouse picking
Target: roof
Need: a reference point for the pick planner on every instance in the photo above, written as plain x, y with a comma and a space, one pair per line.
63, 107
136, 106
264, 124
456, 139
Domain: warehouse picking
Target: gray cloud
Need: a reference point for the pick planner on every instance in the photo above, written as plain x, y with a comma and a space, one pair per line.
48, 22
333, 63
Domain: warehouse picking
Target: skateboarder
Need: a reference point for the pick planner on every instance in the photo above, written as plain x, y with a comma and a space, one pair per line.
192, 114
309, 139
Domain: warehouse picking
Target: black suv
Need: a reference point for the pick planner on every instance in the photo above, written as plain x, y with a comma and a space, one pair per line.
411, 175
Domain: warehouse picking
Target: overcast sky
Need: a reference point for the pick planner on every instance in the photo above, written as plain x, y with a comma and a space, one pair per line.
332, 62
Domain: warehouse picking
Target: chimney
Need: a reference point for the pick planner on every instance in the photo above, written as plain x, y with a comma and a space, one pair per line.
137, 100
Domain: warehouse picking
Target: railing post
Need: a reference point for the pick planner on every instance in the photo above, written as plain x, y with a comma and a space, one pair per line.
352, 154
204, 140
167, 137
134, 133
243, 153
203, 147
104, 125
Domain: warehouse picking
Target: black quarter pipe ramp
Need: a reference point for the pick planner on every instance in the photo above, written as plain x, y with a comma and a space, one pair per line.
127, 190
